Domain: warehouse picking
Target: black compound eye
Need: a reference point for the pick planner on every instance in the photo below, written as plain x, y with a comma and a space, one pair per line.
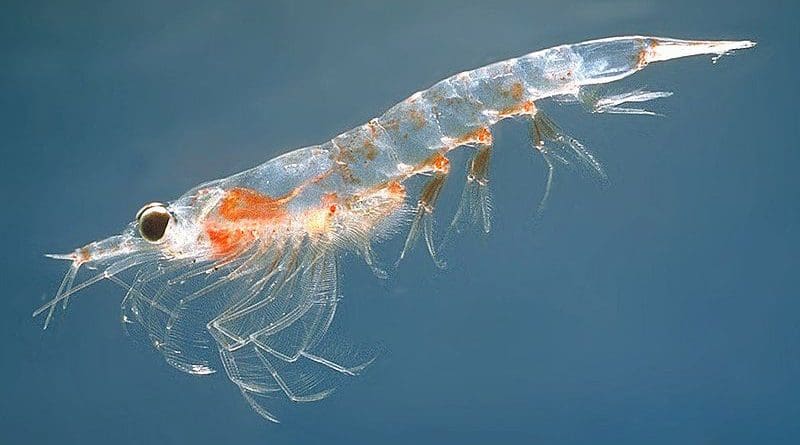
152, 220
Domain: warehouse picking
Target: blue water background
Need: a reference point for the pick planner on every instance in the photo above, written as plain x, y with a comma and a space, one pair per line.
663, 309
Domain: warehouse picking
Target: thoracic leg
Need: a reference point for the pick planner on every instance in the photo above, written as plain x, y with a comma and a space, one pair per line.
423, 220
476, 204
558, 147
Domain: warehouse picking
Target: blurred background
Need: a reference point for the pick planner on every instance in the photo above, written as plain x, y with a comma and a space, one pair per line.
661, 309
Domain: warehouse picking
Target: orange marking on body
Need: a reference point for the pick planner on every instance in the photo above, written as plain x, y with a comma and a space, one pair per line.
317, 220
238, 209
226, 241
245, 204
517, 91
440, 163
372, 150
484, 135
481, 135
641, 58
524, 108
395, 188
331, 200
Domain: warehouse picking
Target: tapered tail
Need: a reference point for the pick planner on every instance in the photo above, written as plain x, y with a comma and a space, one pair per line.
610, 59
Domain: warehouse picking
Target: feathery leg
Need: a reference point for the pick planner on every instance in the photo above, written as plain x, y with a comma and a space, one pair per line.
422, 219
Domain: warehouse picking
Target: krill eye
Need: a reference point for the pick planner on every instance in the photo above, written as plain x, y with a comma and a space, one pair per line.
152, 220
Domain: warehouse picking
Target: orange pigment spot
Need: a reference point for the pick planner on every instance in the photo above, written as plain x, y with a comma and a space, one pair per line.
641, 58
330, 198
371, 150
245, 204
243, 207
395, 188
481, 135
440, 163
524, 108
318, 220
517, 90
227, 241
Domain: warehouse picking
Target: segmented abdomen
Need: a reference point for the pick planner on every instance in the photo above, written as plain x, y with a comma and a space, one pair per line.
411, 137
452, 113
